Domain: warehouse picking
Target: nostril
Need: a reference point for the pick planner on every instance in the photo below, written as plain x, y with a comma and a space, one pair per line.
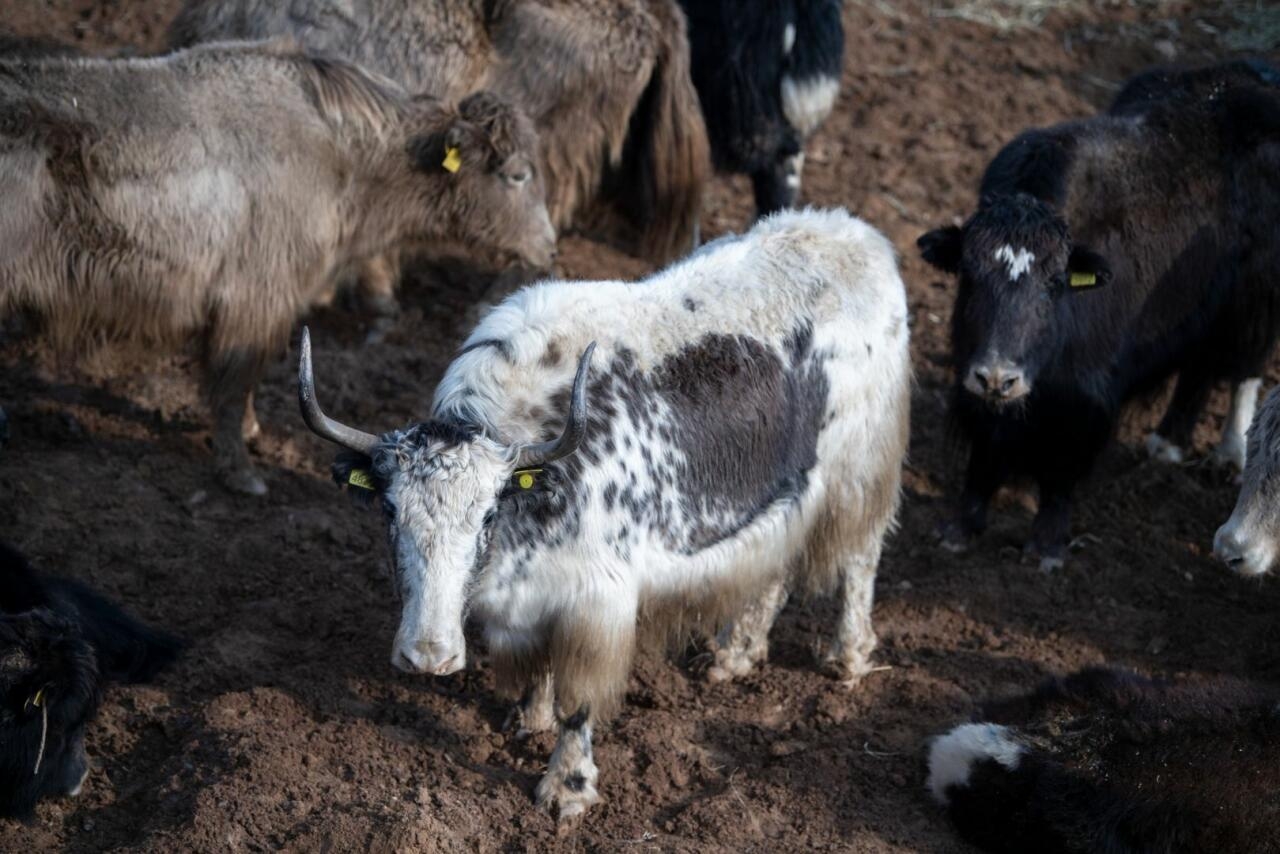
983, 375
1008, 384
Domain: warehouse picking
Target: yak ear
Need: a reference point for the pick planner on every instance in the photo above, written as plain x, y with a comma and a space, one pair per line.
941, 247
355, 471
448, 151
1087, 269
41, 655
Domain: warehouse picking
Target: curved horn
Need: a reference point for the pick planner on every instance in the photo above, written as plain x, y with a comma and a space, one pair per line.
533, 456
322, 425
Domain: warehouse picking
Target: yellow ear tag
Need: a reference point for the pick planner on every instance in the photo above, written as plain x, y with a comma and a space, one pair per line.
360, 478
452, 159
37, 699
1083, 280
526, 478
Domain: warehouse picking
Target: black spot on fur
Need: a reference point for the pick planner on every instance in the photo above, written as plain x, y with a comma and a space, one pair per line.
551, 356
503, 347
575, 782
690, 305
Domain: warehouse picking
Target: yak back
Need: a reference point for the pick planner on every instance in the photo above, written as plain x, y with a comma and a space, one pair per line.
1180, 761
127, 650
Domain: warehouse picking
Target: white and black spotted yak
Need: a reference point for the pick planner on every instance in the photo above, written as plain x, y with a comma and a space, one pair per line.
1106, 255
741, 433
1106, 762
767, 73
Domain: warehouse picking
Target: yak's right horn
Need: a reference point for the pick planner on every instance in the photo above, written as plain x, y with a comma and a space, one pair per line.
322, 425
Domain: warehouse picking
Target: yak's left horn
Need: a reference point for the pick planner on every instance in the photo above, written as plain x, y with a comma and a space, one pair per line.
533, 456
322, 425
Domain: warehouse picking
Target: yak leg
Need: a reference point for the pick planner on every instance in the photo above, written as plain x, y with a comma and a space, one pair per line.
1174, 433
988, 469
536, 711
230, 378
1244, 402
377, 286
570, 781
377, 290
745, 641
1051, 530
778, 186
250, 429
590, 660
855, 638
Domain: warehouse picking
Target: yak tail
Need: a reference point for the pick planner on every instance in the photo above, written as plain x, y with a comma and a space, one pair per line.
667, 157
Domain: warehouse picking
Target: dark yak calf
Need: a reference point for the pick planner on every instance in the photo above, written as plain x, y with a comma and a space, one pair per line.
59, 643
1104, 761
1106, 255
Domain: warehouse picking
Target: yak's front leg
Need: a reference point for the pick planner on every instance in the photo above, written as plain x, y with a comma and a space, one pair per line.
570, 781
230, 377
988, 469
1171, 439
1051, 530
1244, 402
745, 642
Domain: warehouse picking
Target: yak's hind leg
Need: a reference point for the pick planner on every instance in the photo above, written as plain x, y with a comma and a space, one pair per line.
536, 710
745, 641
845, 547
849, 656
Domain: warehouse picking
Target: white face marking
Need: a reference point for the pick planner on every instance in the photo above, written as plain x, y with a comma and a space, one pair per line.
439, 515
1018, 262
952, 756
788, 39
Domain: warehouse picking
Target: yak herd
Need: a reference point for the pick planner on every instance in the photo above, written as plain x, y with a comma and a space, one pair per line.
584, 484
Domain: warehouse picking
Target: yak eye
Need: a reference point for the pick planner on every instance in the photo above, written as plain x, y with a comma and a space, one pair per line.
489, 517
518, 177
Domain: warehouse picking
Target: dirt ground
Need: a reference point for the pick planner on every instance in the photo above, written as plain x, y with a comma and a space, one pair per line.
285, 726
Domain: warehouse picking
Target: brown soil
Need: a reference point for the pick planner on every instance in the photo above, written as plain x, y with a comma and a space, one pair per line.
285, 727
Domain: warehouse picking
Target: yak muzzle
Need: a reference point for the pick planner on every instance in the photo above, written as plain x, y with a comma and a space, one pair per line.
428, 657
997, 382
1241, 556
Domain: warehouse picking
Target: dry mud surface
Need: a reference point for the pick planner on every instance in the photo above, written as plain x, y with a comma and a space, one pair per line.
285, 726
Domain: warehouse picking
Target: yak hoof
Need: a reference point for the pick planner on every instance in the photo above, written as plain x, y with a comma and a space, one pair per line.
1160, 448
1052, 563
730, 664
568, 803
245, 482
1051, 559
